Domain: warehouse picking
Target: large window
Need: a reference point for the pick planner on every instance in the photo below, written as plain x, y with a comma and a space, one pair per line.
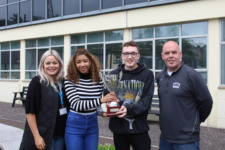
223, 52
10, 60
25, 12
192, 38
107, 46
34, 50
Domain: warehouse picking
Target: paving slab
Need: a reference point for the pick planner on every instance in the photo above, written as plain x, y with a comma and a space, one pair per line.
10, 137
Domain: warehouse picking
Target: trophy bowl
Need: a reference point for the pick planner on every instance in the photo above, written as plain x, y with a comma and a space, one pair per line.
111, 83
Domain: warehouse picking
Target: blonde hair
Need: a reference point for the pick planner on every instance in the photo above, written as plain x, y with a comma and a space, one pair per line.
74, 75
43, 75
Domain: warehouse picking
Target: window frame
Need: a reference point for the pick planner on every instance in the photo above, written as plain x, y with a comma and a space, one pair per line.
179, 37
80, 14
10, 71
104, 42
37, 48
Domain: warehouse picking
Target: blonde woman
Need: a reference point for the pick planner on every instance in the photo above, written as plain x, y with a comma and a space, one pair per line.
46, 106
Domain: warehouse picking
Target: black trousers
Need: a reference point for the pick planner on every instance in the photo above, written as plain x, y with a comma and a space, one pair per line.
140, 141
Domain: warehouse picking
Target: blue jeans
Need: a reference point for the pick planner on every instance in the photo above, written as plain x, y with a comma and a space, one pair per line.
81, 132
164, 145
58, 142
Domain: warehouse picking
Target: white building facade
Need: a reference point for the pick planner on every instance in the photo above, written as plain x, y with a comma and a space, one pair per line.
30, 27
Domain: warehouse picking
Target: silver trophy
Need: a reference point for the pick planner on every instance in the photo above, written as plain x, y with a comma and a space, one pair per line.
111, 83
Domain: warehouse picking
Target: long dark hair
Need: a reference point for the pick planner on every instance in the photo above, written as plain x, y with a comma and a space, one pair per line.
74, 75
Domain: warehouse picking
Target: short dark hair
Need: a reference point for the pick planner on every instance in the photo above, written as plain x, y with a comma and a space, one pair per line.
130, 43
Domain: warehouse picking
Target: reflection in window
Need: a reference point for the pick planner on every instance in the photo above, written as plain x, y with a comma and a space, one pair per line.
10, 60
90, 5
5, 46
15, 75
11, 1
114, 35
2, 16
204, 76
111, 4
5, 75
95, 37
223, 64
43, 42
2, 2
38, 9
167, 31
194, 49
113, 55
194, 52
142, 33
15, 45
71, 7
194, 28
54, 8
30, 43
223, 31
128, 2
57, 40
40, 53
107, 49
223, 52
145, 50
15, 60
76, 39
74, 48
5, 60
12, 14
159, 63
30, 74
60, 50
34, 53
30, 59
25, 9
97, 50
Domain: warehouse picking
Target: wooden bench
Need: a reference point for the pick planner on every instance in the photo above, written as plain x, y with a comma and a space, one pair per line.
22, 96
154, 106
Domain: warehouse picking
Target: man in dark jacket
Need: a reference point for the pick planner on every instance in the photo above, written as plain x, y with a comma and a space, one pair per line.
135, 91
185, 102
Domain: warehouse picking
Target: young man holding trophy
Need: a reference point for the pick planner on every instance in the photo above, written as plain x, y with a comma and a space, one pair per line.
134, 91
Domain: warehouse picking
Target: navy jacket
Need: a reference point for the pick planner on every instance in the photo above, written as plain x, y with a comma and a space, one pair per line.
185, 102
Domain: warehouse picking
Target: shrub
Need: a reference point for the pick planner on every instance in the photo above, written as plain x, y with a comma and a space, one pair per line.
107, 146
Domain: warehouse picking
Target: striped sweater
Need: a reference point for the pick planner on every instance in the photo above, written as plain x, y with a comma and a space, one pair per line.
85, 96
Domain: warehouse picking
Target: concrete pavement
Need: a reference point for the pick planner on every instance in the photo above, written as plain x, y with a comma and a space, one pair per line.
12, 120
10, 137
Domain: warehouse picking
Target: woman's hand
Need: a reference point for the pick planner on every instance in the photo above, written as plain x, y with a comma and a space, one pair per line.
109, 97
104, 114
39, 142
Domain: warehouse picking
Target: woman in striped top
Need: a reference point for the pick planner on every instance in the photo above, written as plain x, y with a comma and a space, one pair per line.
84, 89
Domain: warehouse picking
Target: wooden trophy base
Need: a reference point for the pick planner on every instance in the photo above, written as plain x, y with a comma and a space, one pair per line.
111, 110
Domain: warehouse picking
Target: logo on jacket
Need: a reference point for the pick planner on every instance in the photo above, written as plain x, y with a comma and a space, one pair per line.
176, 85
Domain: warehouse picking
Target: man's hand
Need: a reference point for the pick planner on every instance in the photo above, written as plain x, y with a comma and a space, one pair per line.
122, 112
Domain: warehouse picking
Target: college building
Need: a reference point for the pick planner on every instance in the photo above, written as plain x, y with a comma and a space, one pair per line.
30, 27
